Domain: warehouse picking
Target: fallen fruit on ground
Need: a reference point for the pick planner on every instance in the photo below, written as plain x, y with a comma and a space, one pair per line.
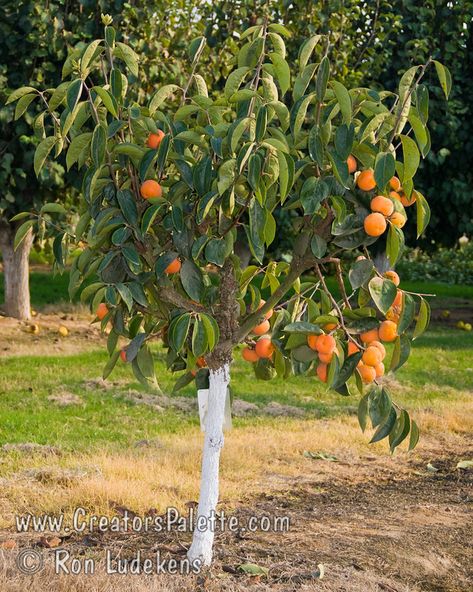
63, 331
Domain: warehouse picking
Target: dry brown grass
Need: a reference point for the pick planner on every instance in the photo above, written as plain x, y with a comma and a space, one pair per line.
254, 458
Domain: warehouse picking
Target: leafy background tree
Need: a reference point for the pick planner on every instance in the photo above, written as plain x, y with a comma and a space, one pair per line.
372, 42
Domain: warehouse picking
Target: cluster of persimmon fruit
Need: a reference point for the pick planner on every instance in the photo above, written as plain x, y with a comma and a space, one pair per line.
371, 365
151, 189
382, 207
263, 348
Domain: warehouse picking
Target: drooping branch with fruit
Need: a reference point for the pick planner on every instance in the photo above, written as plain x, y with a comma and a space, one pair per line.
172, 189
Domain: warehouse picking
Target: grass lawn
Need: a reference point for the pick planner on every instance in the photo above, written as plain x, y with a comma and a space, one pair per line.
440, 368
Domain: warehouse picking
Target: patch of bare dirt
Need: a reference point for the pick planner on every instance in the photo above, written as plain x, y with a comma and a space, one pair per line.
41, 334
368, 524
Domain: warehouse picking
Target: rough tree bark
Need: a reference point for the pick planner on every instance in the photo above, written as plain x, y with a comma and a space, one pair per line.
16, 273
202, 542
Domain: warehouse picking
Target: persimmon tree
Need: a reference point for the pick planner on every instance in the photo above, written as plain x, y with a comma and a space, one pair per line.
169, 187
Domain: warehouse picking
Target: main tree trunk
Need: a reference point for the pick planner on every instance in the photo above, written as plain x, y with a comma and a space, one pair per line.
16, 273
202, 543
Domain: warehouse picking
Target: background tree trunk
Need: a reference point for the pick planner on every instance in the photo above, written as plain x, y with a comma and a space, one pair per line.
16, 273
202, 542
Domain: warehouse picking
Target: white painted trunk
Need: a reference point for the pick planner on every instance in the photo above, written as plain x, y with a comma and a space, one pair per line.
202, 542
16, 274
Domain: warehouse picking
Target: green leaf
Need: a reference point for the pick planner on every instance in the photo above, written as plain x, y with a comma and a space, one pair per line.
281, 29
303, 327
74, 91
445, 78
21, 233
77, 148
134, 346
252, 569
192, 280
306, 50
322, 78
127, 204
400, 431
298, 114
110, 365
42, 152
23, 104
383, 292
20, 92
178, 331
216, 251
20, 216
402, 349
195, 48
344, 100
126, 295
211, 329
53, 208
414, 438
411, 158
394, 244
98, 145
281, 71
318, 246
344, 141
261, 123
423, 213
107, 99
162, 95
360, 272
385, 429
363, 411
235, 80
149, 217
347, 369
130, 58
199, 339
88, 55
302, 81
226, 175
407, 313
423, 318
313, 192
384, 168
